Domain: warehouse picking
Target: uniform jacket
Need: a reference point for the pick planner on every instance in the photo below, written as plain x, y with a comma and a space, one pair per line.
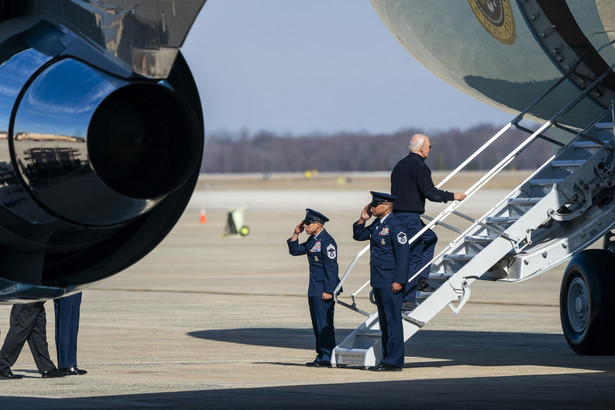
411, 183
322, 256
389, 250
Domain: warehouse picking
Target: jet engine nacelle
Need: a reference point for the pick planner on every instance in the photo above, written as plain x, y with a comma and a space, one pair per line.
99, 154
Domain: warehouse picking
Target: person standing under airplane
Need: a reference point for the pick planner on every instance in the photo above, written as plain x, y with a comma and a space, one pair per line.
321, 251
411, 183
389, 256
67, 310
27, 323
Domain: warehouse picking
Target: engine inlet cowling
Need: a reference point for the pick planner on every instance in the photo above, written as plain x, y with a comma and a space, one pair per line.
96, 150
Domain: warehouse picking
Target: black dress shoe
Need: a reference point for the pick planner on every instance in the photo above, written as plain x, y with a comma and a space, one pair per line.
385, 367
73, 370
53, 373
318, 364
408, 306
7, 374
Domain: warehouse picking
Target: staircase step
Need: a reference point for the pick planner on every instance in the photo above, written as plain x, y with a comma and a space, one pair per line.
369, 332
519, 206
351, 356
546, 182
570, 163
604, 126
476, 243
524, 201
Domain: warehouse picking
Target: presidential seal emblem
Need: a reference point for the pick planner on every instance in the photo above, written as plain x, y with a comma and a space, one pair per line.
496, 16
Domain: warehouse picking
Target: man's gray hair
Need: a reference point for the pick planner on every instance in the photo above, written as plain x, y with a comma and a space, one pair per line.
416, 141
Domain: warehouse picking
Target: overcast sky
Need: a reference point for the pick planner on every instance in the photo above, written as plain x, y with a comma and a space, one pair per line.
320, 65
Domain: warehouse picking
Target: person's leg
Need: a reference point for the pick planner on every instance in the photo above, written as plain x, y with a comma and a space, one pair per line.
324, 319
413, 225
313, 316
22, 321
391, 303
382, 319
38, 342
428, 242
67, 312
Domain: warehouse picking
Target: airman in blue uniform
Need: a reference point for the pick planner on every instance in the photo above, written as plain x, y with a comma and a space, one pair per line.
321, 251
389, 258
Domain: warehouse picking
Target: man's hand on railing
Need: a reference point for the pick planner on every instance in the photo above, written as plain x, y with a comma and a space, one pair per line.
459, 196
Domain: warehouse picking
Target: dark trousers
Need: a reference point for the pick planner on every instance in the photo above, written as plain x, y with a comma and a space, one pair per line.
321, 313
389, 315
67, 327
421, 250
28, 323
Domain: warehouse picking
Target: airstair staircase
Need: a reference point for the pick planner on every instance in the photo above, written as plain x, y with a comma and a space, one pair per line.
565, 206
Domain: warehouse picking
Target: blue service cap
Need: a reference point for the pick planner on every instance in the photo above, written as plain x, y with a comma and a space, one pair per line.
314, 216
378, 197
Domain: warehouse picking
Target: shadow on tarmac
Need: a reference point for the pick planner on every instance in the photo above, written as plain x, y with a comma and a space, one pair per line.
447, 348
584, 381
563, 391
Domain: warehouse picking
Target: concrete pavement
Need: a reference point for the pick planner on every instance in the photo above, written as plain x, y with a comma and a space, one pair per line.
212, 322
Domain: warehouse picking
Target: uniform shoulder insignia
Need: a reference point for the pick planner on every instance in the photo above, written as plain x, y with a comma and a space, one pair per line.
401, 238
331, 252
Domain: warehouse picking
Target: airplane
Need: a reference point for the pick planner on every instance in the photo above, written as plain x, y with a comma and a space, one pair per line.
102, 132
549, 62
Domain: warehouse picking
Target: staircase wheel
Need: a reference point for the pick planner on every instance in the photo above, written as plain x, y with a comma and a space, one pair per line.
587, 304
244, 231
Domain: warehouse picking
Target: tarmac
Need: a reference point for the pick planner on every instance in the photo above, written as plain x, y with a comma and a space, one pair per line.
208, 322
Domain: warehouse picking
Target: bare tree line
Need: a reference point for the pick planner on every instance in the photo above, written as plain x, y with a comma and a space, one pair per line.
265, 151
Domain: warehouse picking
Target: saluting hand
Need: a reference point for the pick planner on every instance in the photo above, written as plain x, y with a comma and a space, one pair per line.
366, 213
299, 228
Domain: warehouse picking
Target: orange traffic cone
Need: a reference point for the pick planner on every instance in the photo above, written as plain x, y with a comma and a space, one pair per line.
203, 216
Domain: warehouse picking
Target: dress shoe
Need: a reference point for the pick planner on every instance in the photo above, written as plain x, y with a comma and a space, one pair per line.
318, 364
53, 373
73, 370
385, 367
423, 286
7, 374
408, 306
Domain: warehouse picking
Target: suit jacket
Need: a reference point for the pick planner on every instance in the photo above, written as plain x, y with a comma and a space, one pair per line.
322, 256
389, 250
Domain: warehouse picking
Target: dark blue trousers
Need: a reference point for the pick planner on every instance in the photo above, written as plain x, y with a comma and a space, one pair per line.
67, 327
421, 251
389, 314
322, 323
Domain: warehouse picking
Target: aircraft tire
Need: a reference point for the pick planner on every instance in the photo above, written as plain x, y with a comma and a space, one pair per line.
587, 303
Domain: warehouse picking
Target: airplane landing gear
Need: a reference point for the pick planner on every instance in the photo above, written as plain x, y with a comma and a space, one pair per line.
587, 303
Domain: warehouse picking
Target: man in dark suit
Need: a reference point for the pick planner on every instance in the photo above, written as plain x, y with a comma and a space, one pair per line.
321, 251
67, 310
389, 256
411, 183
27, 323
